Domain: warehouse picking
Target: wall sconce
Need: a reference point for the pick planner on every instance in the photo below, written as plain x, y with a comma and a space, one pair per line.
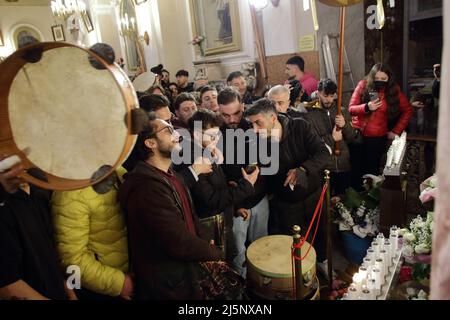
128, 26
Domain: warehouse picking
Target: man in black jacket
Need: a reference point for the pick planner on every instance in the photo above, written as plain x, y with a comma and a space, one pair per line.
237, 156
332, 128
29, 263
302, 156
211, 193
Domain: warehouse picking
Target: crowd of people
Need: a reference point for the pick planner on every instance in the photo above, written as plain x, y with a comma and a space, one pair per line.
145, 232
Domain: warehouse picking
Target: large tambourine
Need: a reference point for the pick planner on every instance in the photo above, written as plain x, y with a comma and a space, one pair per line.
66, 112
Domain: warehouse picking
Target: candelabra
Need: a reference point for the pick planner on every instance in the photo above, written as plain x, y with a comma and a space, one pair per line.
63, 9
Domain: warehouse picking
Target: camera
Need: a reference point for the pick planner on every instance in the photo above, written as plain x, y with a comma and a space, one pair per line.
157, 69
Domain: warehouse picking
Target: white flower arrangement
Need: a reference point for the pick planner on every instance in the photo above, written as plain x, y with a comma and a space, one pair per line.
418, 238
367, 220
359, 212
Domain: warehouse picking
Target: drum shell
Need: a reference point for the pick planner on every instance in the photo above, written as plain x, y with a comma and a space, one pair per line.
263, 282
10, 67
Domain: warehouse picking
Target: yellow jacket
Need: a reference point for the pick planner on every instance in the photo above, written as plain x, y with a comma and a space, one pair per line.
91, 233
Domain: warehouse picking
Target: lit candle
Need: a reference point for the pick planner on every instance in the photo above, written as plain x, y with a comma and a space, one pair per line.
394, 229
357, 281
367, 262
366, 294
393, 239
363, 274
379, 264
376, 249
384, 254
371, 254
352, 293
376, 275
371, 285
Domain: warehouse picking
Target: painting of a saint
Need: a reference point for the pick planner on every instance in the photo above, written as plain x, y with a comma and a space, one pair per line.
218, 22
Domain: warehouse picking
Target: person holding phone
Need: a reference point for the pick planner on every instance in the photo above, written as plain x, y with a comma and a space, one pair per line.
381, 112
211, 193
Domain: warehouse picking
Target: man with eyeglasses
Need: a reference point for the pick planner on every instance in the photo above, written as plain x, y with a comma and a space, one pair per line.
164, 239
211, 193
280, 96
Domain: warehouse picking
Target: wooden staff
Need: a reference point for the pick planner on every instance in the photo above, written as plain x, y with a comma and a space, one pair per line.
259, 45
337, 149
329, 224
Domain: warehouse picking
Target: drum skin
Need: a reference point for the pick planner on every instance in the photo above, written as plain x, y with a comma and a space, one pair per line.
269, 268
66, 124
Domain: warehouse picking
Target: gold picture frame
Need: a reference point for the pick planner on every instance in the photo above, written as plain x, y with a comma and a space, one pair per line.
218, 22
58, 33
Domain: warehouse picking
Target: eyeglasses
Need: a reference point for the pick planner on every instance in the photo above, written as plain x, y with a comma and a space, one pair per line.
171, 129
212, 136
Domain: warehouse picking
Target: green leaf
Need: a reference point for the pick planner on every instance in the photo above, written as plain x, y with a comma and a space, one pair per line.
421, 271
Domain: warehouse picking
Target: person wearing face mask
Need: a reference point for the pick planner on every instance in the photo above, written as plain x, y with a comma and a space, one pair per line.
381, 112
332, 128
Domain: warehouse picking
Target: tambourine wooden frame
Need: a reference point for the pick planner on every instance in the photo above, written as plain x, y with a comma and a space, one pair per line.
9, 69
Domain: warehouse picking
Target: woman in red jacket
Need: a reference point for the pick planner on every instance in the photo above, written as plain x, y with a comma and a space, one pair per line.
381, 112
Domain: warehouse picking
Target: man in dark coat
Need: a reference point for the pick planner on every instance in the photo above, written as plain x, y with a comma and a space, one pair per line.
164, 237
211, 193
302, 157
29, 263
332, 128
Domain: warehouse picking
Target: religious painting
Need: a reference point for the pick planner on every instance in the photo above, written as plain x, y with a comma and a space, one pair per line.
218, 22
58, 33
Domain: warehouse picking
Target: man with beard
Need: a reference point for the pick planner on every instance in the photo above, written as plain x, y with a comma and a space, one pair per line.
236, 127
331, 128
164, 240
302, 157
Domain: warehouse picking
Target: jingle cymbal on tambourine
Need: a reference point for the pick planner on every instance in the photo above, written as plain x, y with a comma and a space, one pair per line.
340, 3
74, 116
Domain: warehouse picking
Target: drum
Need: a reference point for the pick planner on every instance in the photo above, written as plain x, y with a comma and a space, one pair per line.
66, 112
269, 268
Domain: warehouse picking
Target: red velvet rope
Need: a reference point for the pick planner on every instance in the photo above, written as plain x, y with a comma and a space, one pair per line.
317, 213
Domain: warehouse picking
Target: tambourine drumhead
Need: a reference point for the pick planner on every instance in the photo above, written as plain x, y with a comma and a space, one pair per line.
271, 256
71, 114
340, 3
